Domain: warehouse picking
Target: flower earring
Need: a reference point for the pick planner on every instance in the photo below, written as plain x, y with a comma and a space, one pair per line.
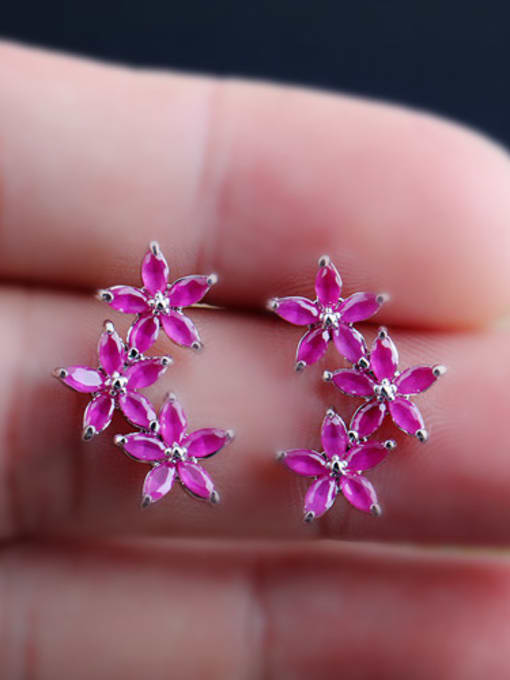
124, 370
374, 376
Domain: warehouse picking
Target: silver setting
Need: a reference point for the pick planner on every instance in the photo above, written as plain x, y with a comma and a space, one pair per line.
197, 346
381, 298
120, 440
422, 436
88, 433
280, 455
60, 373
171, 396
154, 248
104, 295
154, 426
146, 501
159, 303
212, 279
363, 364
324, 260
353, 436
300, 366
336, 466
390, 444
133, 354
273, 304
375, 510
439, 370
230, 435
329, 318
309, 517
385, 390
327, 376
331, 413
214, 498
109, 327
382, 333
166, 361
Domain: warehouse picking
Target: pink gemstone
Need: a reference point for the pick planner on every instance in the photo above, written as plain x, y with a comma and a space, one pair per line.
406, 415
145, 373
366, 456
415, 380
297, 310
353, 382
137, 409
172, 421
195, 479
359, 307
158, 482
180, 329
304, 462
312, 346
111, 352
154, 271
206, 442
320, 496
83, 379
99, 412
328, 285
349, 343
127, 299
143, 333
334, 435
188, 290
368, 418
142, 446
359, 492
384, 358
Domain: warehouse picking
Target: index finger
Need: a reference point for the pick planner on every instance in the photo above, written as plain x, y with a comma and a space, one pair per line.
251, 181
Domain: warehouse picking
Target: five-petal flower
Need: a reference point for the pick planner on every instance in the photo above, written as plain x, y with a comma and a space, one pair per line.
338, 468
329, 317
159, 303
114, 384
386, 389
174, 454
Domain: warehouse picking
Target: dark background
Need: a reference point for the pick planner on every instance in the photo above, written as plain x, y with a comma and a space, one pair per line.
447, 56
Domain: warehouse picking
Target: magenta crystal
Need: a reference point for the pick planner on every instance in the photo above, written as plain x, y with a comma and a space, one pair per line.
359, 306
111, 350
188, 291
155, 270
349, 343
142, 446
359, 492
368, 418
172, 421
206, 442
99, 413
137, 409
328, 285
180, 329
406, 415
158, 482
415, 380
312, 346
384, 357
127, 299
353, 382
143, 333
195, 479
145, 373
304, 462
297, 310
320, 496
365, 456
334, 435
82, 378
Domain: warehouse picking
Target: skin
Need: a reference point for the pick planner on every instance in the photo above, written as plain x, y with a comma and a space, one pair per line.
254, 182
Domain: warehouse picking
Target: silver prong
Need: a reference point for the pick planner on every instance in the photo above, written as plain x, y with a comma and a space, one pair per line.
353, 436
324, 260
60, 373
375, 510
166, 361
154, 426
273, 304
133, 354
390, 444
439, 370
327, 376
422, 436
309, 517
214, 497
154, 247
280, 455
146, 501
197, 346
382, 333
88, 433
171, 396
363, 363
230, 435
109, 327
330, 413
382, 298
300, 366
119, 440
104, 295
212, 279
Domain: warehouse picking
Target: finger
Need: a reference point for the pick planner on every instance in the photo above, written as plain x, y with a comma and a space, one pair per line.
252, 181
129, 611
454, 488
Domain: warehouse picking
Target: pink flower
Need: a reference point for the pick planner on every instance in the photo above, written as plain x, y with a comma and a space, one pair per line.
174, 454
338, 468
114, 384
329, 317
159, 303
386, 389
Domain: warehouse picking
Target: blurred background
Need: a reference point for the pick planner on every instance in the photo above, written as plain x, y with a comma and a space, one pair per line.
446, 56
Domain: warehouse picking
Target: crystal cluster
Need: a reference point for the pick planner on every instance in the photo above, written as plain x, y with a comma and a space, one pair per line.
124, 370
373, 377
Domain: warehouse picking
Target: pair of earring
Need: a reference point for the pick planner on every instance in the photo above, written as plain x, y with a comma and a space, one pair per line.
161, 439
